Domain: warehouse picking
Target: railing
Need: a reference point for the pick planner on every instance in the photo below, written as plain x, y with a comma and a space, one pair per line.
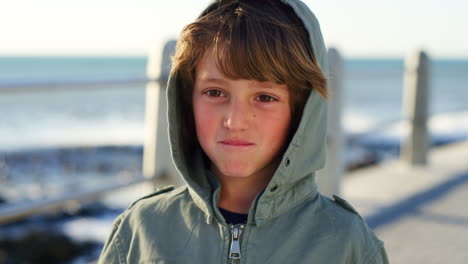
156, 161
17, 211
155, 165
68, 86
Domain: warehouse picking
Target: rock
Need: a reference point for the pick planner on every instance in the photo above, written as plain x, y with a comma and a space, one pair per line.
40, 247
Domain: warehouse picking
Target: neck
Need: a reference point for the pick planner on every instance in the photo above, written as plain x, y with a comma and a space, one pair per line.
238, 193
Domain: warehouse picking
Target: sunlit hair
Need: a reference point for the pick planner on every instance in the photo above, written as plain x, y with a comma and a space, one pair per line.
259, 40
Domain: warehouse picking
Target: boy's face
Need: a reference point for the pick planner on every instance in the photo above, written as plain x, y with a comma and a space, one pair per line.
241, 125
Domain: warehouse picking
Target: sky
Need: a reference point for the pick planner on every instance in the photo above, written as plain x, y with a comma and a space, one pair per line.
358, 28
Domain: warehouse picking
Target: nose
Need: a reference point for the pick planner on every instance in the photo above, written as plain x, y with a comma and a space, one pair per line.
237, 115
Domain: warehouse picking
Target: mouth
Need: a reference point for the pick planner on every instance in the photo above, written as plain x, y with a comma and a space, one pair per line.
236, 143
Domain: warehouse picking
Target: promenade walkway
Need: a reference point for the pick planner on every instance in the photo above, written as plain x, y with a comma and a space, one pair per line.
420, 213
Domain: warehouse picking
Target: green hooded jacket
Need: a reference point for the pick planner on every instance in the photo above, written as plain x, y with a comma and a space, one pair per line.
288, 222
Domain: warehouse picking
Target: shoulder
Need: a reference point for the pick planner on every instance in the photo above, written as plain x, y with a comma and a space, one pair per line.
142, 216
151, 209
159, 204
338, 212
343, 215
159, 199
361, 241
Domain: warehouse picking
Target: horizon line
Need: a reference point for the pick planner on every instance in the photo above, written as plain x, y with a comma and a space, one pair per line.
141, 55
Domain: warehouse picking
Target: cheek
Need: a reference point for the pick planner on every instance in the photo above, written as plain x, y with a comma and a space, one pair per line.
275, 128
205, 122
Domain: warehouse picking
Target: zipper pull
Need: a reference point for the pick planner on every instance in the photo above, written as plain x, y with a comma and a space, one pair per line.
234, 251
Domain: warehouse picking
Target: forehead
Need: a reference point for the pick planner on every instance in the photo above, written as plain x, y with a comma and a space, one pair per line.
206, 68
207, 71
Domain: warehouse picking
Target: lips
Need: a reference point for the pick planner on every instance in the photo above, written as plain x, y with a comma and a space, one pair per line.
236, 143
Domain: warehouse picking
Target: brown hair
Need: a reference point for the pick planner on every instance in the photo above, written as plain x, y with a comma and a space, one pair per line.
259, 40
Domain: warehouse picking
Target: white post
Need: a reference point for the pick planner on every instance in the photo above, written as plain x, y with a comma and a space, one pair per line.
415, 109
157, 161
329, 179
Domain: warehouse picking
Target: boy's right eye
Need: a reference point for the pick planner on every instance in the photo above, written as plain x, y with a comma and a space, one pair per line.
214, 93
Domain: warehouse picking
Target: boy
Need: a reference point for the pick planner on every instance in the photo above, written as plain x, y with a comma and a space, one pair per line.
247, 116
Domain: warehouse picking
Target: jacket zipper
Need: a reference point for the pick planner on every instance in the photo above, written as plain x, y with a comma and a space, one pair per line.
234, 249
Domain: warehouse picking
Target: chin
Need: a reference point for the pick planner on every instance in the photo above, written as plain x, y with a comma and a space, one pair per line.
236, 171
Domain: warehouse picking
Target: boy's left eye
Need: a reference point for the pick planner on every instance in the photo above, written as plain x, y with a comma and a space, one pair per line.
265, 98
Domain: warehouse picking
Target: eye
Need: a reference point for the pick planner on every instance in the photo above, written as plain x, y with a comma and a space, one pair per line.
214, 93
265, 98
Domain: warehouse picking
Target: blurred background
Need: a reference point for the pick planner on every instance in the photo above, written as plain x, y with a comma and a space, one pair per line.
72, 102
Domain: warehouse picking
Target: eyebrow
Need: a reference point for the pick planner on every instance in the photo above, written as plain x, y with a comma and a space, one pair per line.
264, 85
213, 80
270, 85
258, 84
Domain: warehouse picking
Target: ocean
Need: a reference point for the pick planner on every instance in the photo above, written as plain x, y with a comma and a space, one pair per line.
114, 116
46, 135
56, 142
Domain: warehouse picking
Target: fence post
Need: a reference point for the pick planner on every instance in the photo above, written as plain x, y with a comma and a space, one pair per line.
329, 179
157, 160
416, 109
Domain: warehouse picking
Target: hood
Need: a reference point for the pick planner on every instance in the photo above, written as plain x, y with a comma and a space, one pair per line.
294, 180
